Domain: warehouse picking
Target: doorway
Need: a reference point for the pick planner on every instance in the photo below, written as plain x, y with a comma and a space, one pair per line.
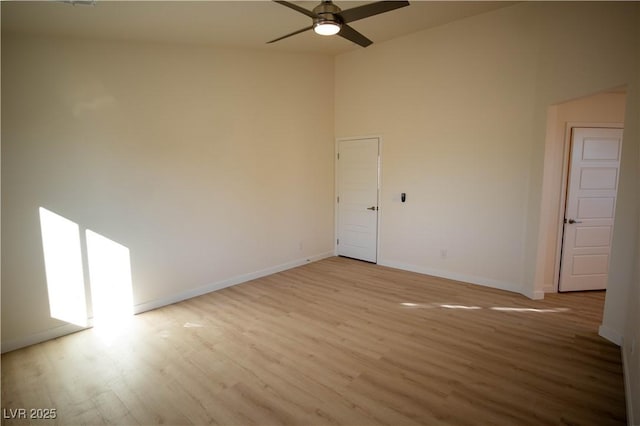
357, 208
601, 110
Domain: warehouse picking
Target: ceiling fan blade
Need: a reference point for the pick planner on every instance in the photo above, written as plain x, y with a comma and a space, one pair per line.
297, 8
350, 34
371, 9
292, 34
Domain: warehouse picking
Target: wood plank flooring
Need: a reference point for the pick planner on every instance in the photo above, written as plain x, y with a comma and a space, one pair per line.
335, 342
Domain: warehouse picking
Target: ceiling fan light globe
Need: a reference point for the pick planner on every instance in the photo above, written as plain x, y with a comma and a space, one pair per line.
326, 28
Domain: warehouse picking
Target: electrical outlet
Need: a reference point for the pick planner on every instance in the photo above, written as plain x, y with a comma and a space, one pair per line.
443, 254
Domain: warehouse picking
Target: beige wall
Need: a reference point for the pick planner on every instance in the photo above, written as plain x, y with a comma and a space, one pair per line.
454, 107
622, 309
632, 338
601, 109
463, 111
208, 164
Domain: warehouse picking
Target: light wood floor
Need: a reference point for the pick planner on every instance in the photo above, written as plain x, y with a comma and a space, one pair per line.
335, 342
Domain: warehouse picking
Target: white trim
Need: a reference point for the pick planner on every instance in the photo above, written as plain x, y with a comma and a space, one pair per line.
379, 204
63, 330
533, 295
610, 334
566, 158
32, 339
617, 339
337, 189
626, 373
219, 285
356, 138
336, 193
471, 279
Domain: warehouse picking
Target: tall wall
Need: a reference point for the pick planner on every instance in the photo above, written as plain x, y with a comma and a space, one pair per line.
207, 164
454, 107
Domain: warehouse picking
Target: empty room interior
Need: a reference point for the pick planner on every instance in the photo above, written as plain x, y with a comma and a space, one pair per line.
214, 214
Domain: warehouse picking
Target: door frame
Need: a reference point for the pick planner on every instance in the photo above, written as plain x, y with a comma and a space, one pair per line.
566, 164
336, 184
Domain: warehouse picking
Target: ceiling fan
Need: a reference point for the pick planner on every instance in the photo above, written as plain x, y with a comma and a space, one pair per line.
329, 19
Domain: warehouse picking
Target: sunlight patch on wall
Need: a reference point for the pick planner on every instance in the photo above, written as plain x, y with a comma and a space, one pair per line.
111, 290
109, 275
63, 267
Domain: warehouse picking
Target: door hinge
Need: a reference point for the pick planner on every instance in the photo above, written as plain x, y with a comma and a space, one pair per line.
338, 241
338, 156
338, 198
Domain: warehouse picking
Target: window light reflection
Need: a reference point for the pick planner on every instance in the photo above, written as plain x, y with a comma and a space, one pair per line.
110, 277
475, 308
63, 268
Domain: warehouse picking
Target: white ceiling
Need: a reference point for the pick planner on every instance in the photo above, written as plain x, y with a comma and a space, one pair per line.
248, 24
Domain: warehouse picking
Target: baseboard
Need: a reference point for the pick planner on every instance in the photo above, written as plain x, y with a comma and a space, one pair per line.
533, 295
627, 390
486, 282
63, 330
610, 334
219, 285
32, 339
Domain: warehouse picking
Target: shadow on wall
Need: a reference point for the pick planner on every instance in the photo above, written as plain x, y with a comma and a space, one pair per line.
109, 276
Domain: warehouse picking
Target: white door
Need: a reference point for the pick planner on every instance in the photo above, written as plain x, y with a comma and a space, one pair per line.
358, 199
590, 208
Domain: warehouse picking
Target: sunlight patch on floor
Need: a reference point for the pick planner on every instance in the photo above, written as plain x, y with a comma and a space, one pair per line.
476, 308
506, 309
471, 308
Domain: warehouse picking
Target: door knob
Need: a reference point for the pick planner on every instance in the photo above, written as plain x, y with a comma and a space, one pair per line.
372, 208
572, 221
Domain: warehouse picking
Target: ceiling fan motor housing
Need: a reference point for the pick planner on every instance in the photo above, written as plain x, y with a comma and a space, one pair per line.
327, 12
